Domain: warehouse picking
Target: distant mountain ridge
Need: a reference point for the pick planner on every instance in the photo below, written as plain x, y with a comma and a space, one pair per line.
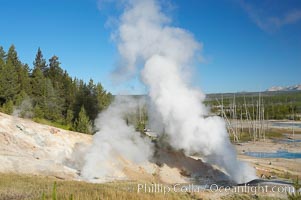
282, 88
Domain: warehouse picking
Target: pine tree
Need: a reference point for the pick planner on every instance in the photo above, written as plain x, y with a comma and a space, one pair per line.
80, 98
40, 62
14, 72
2, 65
69, 89
38, 112
69, 117
52, 109
2, 56
38, 87
91, 100
12, 57
8, 107
83, 123
25, 80
56, 75
9, 85
52, 93
24, 83
103, 98
55, 72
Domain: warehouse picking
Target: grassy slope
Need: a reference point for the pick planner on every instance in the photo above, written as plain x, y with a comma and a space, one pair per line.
14, 186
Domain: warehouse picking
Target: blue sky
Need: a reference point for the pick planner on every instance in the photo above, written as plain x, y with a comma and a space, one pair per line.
247, 45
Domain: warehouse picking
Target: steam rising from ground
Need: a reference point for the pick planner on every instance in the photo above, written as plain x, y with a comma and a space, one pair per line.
183, 117
114, 141
145, 37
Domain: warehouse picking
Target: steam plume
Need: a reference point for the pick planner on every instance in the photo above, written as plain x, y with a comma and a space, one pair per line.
115, 140
146, 39
146, 36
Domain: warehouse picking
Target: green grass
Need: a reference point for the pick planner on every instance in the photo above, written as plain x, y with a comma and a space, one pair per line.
31, 187
274, 134
51, 123
270, 134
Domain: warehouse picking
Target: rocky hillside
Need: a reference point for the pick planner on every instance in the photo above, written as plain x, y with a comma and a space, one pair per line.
31, 148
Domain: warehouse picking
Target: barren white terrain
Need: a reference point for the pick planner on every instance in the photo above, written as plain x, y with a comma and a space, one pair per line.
28, 147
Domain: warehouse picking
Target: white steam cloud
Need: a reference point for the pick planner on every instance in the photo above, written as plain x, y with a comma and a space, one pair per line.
116, 140
183, 117
146, 38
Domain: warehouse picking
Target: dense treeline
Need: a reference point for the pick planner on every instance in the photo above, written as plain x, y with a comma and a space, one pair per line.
47, 93
276, 105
